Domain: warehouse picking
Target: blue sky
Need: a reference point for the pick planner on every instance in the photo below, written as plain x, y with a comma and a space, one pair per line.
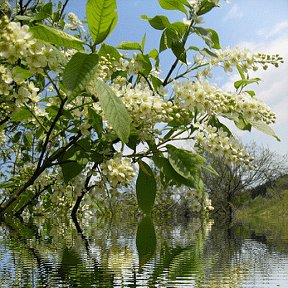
260, 25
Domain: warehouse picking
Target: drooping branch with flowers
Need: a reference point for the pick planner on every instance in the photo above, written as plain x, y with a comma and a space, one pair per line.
80, 118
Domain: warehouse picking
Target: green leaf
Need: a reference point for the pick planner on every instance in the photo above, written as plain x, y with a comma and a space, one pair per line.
125, 45
133, 141
179, 51
241, 72
169, 172
21, 115
174, 5
207, 52
102, 18
145, 241
210, 37
210, 169
109, 50
95, 120
167, 38
158, 22
179, 28
114, 110
154, 54
145, 188
44, 12
21, 72
242, 83
242, 124
250, 92
146, 64
75, 160
143, 42
156, 82
56, 36
263, 127
185, 163
206, 6
23, 18
78, 72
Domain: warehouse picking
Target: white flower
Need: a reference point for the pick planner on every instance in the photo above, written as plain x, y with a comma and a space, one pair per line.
118, 171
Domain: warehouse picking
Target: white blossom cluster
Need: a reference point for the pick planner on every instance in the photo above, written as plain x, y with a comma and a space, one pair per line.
4, 5
108, 65
17, 92
218, 142
253, 109
74, 22
210, 99
17, 43
118, 171
2, 137
145, 108
198, 201
231, 57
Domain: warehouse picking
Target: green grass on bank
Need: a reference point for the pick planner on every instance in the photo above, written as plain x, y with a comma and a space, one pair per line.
266, 208
267, 216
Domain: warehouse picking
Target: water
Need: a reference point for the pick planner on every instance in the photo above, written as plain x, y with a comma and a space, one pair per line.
140, 253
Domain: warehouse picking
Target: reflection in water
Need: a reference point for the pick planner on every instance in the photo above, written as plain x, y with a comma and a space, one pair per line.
195, 253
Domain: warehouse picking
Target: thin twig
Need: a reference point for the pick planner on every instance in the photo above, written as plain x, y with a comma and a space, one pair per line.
184, 40
62, 9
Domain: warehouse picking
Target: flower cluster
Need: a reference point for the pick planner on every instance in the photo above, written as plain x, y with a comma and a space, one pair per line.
16, 91
203, 96
232, 57
16, 42
108, 65
243, 57
253, 109
145, 107
2, 137
198, 201
118, 171
218, 142
74, 21
210, 99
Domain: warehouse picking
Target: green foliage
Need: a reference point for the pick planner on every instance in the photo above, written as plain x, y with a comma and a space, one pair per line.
102, 18
78, 72
263, 127
169, 175
145, 241
21, 115
44, 12
71, 107
108, 50
174, 5
55, 36
206, 6
244, 82
95, 120
75, 159
130, 46
186, 164
158, 22
114, 110
210, 37
145, 188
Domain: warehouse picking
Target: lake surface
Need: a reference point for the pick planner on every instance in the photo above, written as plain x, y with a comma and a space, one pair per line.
140, 253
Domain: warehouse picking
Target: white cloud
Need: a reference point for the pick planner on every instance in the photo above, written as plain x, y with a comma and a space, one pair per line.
273, 88
233, 14
277, 29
